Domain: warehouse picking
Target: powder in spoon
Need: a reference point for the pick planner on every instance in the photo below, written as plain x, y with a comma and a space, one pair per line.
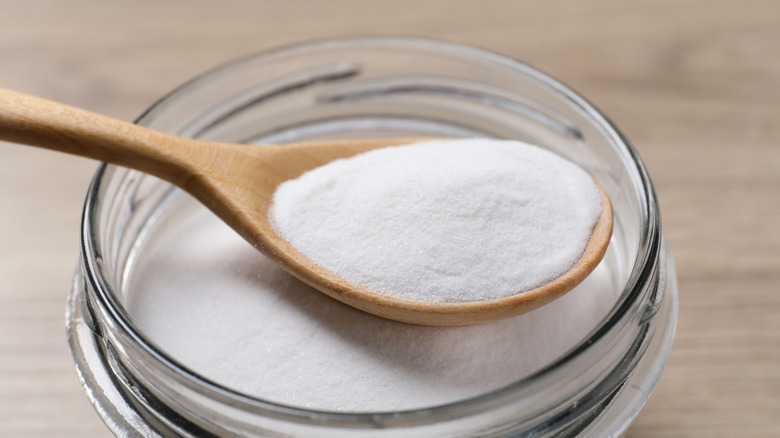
443, 221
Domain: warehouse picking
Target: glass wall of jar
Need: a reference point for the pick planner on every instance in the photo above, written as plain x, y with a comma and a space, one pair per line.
359, 88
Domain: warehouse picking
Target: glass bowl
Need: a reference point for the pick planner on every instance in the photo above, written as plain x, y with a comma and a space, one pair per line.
358, 88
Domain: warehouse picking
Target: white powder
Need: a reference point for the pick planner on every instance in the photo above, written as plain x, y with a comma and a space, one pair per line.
444, 221
220, 308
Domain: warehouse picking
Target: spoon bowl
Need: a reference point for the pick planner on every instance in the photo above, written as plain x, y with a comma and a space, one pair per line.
237, 183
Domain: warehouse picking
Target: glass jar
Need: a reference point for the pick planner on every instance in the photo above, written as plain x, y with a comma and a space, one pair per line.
359, 88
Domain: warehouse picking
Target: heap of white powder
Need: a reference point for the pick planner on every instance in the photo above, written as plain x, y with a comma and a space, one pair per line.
444, 221
216, 305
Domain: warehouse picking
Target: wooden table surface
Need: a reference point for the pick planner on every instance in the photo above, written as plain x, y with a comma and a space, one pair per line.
694, 84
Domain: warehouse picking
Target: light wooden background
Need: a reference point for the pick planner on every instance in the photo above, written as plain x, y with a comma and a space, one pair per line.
694, 84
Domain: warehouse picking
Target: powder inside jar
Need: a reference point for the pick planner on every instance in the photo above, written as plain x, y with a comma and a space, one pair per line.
221, 309
443, 221
217, 306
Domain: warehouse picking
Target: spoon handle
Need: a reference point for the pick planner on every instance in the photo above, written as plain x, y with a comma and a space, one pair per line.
39, 122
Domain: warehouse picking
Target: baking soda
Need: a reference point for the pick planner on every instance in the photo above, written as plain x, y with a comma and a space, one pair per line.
217, 306
477, 218
443, 221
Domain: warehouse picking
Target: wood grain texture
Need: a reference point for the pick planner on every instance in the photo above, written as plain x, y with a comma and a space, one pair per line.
694, 84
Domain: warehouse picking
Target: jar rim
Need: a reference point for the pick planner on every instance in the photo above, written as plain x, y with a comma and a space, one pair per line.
648, 250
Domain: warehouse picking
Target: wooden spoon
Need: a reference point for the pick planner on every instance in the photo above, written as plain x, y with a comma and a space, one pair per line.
237, 183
